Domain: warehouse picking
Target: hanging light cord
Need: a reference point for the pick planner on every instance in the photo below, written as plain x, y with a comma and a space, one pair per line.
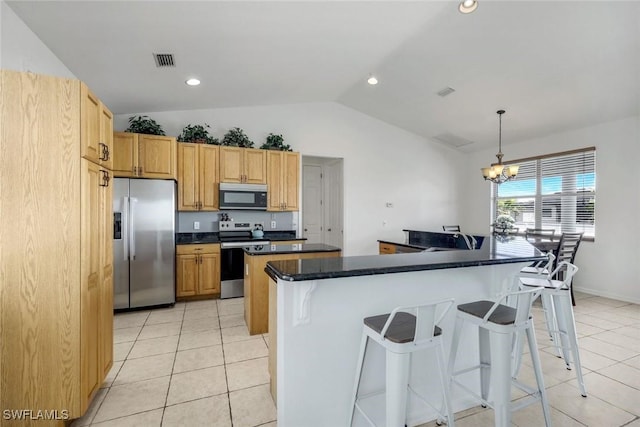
500, 155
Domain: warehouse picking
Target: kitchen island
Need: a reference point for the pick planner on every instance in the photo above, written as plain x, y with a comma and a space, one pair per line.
317, 310
256, 282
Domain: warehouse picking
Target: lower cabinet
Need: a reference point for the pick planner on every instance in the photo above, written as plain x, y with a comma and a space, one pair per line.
390, 248
387, 248
197, 270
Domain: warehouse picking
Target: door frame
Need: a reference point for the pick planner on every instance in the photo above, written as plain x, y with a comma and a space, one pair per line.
324, 163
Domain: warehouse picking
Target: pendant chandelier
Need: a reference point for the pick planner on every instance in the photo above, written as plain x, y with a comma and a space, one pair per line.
497, 172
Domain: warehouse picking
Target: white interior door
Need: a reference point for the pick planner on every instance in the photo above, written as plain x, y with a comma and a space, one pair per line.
312, 212
333, 204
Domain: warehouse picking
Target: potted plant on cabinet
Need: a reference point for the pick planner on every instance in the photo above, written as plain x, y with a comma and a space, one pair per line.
237, 138
275, 142
197, 134
144, 124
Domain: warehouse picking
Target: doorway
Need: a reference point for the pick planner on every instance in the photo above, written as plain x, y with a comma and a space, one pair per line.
322, 200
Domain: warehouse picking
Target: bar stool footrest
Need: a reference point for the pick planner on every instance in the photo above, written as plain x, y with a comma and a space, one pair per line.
376, 400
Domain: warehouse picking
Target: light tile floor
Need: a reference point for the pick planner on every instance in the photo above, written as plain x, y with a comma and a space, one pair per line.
196, 365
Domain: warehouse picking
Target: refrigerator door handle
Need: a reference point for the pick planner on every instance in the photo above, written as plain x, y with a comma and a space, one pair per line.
132, 236
125, 227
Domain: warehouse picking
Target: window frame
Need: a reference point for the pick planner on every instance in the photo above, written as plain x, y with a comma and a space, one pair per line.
539, 196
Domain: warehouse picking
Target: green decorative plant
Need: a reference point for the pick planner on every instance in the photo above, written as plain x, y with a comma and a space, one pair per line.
275, 142
198, 134
143, 124
237, 138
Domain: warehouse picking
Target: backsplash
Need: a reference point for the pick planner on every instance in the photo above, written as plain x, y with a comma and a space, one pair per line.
209, 220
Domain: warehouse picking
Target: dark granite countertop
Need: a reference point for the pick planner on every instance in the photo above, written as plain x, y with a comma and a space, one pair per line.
289, 249
494, 250
201, 238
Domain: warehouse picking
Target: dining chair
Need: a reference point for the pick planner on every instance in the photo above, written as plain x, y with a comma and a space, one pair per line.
451, 228
567, 249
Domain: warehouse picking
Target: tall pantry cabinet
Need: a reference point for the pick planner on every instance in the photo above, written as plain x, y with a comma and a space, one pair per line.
56, 259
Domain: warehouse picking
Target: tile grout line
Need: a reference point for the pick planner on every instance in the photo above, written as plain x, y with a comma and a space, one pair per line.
224, 363
173, 365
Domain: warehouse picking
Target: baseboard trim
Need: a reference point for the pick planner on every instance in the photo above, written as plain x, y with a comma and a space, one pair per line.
612, 295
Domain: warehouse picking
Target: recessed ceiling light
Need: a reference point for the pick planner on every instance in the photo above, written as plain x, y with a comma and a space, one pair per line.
468, 6
193, 82
372, 80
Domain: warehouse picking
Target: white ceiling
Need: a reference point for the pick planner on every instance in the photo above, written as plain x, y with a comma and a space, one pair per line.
553, 65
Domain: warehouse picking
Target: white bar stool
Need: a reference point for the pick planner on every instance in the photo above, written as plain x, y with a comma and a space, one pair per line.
498, 327
556, 299
541, 270
402, 332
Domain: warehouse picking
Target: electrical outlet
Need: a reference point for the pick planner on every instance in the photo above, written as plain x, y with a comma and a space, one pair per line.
196, 225
273, 224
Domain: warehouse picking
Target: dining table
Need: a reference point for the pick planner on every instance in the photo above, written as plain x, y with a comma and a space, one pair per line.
545, 244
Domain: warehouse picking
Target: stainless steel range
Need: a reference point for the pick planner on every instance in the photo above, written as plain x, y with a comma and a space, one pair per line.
234, 237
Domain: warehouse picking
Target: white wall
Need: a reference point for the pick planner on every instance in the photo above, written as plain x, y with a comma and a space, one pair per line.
382, 163
22, 50
609, 266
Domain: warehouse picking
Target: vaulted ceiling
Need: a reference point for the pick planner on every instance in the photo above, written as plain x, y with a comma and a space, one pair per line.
553, 65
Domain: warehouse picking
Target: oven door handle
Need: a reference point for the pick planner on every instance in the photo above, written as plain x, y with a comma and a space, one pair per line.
229, 245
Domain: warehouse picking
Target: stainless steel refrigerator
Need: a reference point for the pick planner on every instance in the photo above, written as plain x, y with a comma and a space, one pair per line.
144, 212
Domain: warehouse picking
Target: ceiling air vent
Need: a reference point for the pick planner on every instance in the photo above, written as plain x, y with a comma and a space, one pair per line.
452, 140
164, 60
446, 91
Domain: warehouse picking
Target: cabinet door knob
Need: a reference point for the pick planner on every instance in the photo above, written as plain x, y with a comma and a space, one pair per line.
105, 178
328, 229
104, 151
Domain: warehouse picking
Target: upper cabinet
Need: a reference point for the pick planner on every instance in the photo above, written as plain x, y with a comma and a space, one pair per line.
198, 177
96, 129
283, 180
243, 165
144, 156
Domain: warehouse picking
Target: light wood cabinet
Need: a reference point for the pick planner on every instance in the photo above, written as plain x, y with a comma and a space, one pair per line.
256, 286
198, 270
144, 156
283, 180
96, 129
243, 165
57, 315
198, 177
386, 248
389, 248
106, 263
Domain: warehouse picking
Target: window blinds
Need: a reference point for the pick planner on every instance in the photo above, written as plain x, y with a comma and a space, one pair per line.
553, 191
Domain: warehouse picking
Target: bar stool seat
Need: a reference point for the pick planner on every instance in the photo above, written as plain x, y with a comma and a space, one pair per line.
498, 325
556, 300
402, 332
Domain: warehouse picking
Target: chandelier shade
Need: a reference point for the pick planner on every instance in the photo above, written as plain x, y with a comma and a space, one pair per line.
497, 172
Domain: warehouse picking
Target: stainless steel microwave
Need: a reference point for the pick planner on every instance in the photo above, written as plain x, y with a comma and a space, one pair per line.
243, 196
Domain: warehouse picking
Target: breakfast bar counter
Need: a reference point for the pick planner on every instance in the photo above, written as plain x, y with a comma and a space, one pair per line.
316, 312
